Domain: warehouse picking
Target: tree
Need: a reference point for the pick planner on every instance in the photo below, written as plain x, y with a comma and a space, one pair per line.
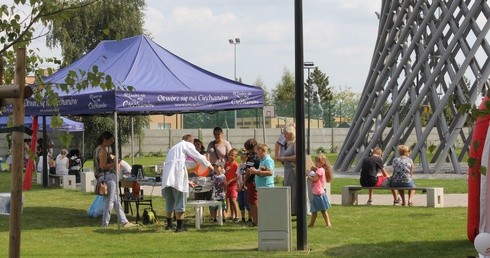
284, 94
103, 20
317, 91
345, 102
285, 90
85, 28
259, 83
16, 32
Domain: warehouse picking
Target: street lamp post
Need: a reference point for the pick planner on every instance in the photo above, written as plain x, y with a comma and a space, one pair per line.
340, 120
308, 66
234, 42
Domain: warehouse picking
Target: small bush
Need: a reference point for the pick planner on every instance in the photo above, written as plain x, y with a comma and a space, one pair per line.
321, 150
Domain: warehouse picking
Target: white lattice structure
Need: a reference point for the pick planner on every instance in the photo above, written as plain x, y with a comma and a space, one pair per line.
430, 57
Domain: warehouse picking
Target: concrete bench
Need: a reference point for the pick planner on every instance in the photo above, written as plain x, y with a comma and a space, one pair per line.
87, 181
65, 181
435, 195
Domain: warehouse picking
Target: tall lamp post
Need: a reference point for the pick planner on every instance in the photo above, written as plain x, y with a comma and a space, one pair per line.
308, 66
340, 121
234, 42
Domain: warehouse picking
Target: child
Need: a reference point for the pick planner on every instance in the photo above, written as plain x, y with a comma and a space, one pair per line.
264, 175
242, 189
231, 168
322, 170
219, 190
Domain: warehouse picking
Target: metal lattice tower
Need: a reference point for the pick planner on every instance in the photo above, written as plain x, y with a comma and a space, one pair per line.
430, 57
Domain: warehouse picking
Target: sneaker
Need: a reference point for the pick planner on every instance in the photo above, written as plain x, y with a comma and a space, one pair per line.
129, 225
243, 219
215, 220
397, 202
170, 227
369, 202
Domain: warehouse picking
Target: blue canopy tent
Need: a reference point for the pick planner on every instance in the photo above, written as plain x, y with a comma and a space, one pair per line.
67, 125
163, 84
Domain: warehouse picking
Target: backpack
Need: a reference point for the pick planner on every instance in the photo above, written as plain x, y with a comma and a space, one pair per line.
149, 216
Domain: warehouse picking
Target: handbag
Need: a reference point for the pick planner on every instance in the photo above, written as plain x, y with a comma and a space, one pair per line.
101, 189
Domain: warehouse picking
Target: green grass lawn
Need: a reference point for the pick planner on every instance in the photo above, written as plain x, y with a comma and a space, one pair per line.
55, 224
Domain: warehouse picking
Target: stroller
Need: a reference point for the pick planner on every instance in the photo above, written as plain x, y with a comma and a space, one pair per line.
75, 164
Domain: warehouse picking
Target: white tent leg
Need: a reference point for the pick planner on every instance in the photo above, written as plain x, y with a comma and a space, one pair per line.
263, 124
132, 140
117, 162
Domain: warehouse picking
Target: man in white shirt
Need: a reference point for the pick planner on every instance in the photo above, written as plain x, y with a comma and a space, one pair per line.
175, 181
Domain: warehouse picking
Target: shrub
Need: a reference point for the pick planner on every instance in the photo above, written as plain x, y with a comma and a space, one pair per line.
321, 150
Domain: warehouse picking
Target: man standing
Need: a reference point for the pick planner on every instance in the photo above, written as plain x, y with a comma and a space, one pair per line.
175, 181
373, 174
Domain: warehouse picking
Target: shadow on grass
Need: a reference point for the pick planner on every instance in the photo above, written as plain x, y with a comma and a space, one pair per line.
456, 248
35, 217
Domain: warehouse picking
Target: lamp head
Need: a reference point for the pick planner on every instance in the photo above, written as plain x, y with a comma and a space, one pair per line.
308, 64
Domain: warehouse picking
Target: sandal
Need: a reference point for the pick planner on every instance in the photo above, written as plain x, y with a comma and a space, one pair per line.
410, 203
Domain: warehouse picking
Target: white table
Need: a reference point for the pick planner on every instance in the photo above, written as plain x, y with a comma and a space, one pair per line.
198, 205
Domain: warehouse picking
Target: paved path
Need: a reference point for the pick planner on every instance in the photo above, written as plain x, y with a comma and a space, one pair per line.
450, 200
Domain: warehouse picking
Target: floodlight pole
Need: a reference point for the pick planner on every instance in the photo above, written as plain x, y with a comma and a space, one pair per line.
234, 42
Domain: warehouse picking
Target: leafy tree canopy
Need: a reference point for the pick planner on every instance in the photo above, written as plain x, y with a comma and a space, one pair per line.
102, 20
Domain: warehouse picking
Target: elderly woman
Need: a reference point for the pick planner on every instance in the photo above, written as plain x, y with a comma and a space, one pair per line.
288, 158
402, 173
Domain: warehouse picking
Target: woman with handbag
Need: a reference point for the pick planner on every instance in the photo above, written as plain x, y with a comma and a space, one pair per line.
105, 172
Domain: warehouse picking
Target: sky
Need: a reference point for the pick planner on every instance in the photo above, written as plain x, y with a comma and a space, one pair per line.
339, 37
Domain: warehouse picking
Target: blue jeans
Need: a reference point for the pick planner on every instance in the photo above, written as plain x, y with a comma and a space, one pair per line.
112, 201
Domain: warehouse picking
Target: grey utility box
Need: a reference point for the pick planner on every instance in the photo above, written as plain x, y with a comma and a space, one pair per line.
274, 216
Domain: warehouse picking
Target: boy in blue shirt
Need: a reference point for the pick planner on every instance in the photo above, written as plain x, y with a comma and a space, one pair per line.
265, 173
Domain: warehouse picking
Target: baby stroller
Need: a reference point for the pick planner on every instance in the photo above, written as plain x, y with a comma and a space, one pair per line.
75, 164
